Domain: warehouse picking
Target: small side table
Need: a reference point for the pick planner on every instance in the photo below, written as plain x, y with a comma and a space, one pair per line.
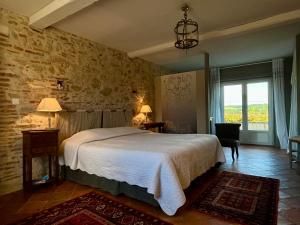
292, 158
37, 143
159, 125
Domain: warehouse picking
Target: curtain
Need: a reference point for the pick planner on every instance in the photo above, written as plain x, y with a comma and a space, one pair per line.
279, 103
215, 95
118, 118
293, 114
70, 123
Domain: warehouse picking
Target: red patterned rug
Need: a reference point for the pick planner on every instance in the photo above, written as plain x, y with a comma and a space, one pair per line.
91, 209
241, 198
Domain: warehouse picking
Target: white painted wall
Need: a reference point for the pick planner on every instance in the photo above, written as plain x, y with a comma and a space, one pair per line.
180, 101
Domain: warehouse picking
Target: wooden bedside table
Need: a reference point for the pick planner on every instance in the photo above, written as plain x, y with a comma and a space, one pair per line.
293, 158
37, 143
159, 125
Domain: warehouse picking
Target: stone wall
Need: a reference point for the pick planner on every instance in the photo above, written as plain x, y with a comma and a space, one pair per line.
95, 77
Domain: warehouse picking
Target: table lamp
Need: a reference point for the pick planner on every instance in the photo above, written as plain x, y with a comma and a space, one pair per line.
146, 109
49, 105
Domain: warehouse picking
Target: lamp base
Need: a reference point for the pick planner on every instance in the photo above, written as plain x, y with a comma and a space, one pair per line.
49, 120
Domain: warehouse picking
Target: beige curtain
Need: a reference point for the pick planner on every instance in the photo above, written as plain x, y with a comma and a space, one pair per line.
116, 118
70, 123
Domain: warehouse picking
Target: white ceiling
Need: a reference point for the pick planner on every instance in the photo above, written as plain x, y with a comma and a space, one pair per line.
253, 47
135, 24
131, 25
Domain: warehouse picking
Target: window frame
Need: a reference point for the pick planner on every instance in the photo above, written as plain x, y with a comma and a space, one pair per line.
245, 101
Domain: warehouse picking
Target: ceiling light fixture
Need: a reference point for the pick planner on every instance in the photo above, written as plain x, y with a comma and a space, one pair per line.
186, 30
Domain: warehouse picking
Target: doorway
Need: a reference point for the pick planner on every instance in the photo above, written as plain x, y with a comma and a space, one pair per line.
249, 102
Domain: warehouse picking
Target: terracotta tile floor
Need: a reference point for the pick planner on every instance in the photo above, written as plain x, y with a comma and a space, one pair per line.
256, 160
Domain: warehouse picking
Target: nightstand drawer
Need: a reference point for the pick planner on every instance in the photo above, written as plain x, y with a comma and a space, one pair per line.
44, 150
42, 140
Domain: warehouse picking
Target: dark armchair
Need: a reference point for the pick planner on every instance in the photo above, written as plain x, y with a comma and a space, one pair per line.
229, 136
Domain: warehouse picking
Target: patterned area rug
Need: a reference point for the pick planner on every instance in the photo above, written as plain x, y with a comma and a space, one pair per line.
241, 198
91, 209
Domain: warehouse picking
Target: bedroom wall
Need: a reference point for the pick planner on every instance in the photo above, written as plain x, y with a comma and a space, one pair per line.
95, 77
298, 84
180, 101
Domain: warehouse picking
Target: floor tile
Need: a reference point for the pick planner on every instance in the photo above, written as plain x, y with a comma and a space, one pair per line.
255, 160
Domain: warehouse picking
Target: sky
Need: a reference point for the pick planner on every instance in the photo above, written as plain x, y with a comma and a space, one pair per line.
257, 93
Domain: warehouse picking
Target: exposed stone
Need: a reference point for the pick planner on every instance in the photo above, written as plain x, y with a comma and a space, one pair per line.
31, 62
106, 91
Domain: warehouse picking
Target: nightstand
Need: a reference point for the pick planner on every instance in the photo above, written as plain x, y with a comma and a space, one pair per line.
37, 143
153, 125
294, 158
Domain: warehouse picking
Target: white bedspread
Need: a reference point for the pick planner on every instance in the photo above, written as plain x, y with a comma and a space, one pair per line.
165, 164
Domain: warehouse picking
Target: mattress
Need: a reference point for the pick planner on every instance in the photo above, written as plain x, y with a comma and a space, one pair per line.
163, 164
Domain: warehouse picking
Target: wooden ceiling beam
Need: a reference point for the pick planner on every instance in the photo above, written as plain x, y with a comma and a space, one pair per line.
263, 24
56, 11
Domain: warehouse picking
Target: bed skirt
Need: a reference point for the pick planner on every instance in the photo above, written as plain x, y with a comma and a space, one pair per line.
112, 186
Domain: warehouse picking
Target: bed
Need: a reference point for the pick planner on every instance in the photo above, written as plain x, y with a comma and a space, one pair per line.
161, 164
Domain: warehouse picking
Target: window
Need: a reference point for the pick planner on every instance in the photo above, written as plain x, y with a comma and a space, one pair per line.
247, 102
258, 106
233, 112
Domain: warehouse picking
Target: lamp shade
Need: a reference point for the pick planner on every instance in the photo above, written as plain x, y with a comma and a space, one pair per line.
49, 105
146, 109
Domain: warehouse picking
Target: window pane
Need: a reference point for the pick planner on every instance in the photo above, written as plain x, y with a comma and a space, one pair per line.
233, 104
258, 107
